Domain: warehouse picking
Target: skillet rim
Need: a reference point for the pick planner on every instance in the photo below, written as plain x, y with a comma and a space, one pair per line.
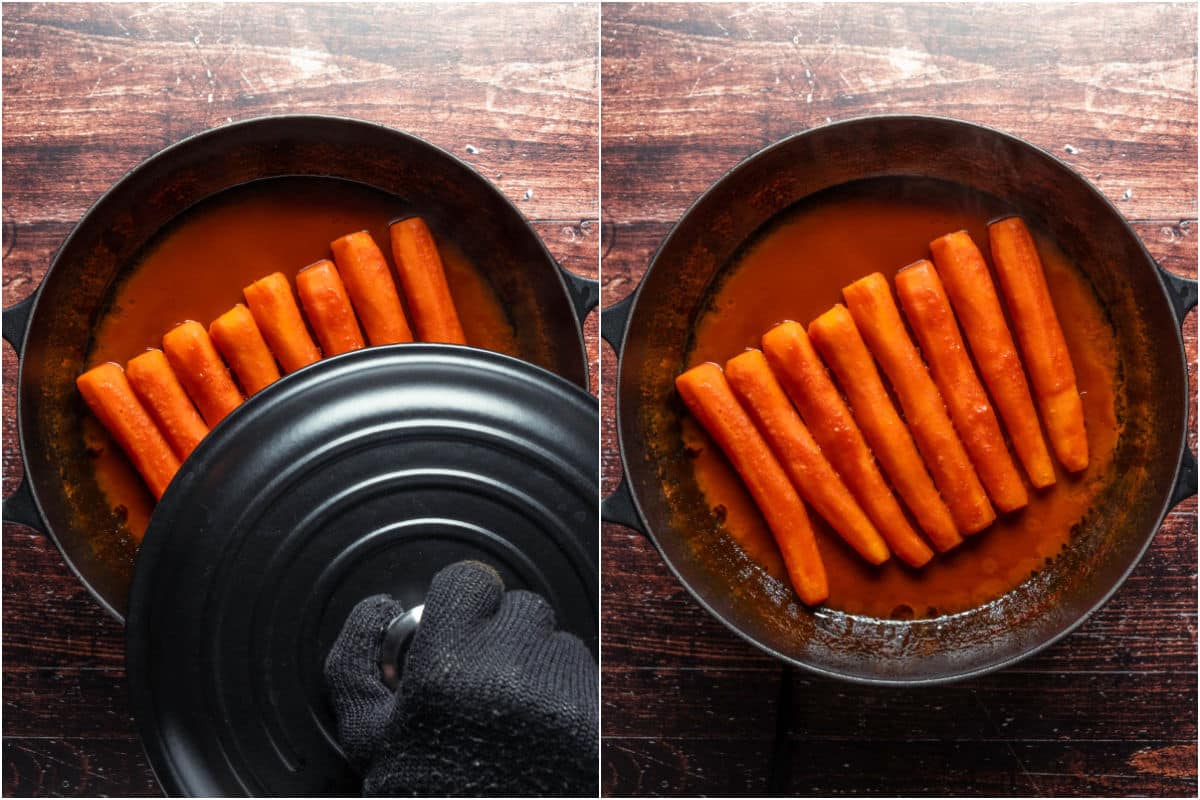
630, 312
34, 298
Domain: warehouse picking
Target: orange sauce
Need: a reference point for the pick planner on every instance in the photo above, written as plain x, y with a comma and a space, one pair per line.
196, 268
795, 270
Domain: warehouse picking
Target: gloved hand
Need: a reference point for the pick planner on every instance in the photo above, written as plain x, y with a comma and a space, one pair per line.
491, 701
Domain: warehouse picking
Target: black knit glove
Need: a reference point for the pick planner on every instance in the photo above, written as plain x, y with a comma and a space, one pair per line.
492, 700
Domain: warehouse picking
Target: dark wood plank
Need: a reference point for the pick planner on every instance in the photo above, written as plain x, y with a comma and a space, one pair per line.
989, 768
77, 768
50, 619
92, 90
671, 629
691, 90
68, 703
116, 84
658, 767
640, 701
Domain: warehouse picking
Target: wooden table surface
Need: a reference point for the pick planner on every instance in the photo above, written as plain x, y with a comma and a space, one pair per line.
687, 93
91, 90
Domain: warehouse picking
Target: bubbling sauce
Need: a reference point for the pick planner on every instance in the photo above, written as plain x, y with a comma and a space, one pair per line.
195, 270
795, 270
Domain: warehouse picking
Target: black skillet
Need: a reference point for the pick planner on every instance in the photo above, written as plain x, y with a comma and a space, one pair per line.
650, 331
50, 329
361, 474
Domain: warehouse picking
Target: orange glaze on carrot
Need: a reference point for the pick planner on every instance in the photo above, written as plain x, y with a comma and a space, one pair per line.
928, 312
277, 314
197, 267
840, 343
155, 384
760, 394
419, 266
328, 309
796, 271
241, 343
1031, 308
877, 316
707, 394
111, 398
200, 369
810, 387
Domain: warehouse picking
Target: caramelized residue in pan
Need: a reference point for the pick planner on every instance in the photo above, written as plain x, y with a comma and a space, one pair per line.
196, 268
795, 271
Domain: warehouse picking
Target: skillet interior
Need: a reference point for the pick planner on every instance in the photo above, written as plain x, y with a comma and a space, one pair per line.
1113, 535
455, 199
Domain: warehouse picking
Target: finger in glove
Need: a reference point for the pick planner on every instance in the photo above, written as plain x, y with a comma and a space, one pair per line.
362, 702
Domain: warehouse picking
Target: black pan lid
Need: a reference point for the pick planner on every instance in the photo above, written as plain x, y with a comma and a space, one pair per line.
363, 473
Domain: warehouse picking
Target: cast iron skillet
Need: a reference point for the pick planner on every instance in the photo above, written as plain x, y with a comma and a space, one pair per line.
650, 332
50, 329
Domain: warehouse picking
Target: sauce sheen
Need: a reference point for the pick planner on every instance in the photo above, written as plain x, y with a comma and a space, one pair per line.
795, 270
196, 267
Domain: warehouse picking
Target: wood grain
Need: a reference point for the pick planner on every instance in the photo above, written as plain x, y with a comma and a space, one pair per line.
689, 91
92, 90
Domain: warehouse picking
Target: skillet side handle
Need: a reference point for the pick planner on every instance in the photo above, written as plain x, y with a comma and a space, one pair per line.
584, 292
618, 507
1182, 294
1185, 479
614, 322
20, 508
16, 323
1181, 291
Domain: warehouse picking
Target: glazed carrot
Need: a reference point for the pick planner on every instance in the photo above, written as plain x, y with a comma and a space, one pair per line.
237, 337
274, 308
879, 322
803, 376
155, 384
837, 339
328, 308
707, 394
111, 398
972, 294
755, 386
371, 288
201, 371
928, 311
1023, 283
423, 277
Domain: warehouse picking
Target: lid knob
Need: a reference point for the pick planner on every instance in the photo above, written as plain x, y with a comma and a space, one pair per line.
396, 639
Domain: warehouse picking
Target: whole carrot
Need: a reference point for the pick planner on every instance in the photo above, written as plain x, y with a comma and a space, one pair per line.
837, 339
111, 398
972, 294
237, 337
803, 376
707, 395
328, 308
1023, 283
274, 308
154, 382
810, 472
201, 371
928, 311
878, 319
423, 277
371, 288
